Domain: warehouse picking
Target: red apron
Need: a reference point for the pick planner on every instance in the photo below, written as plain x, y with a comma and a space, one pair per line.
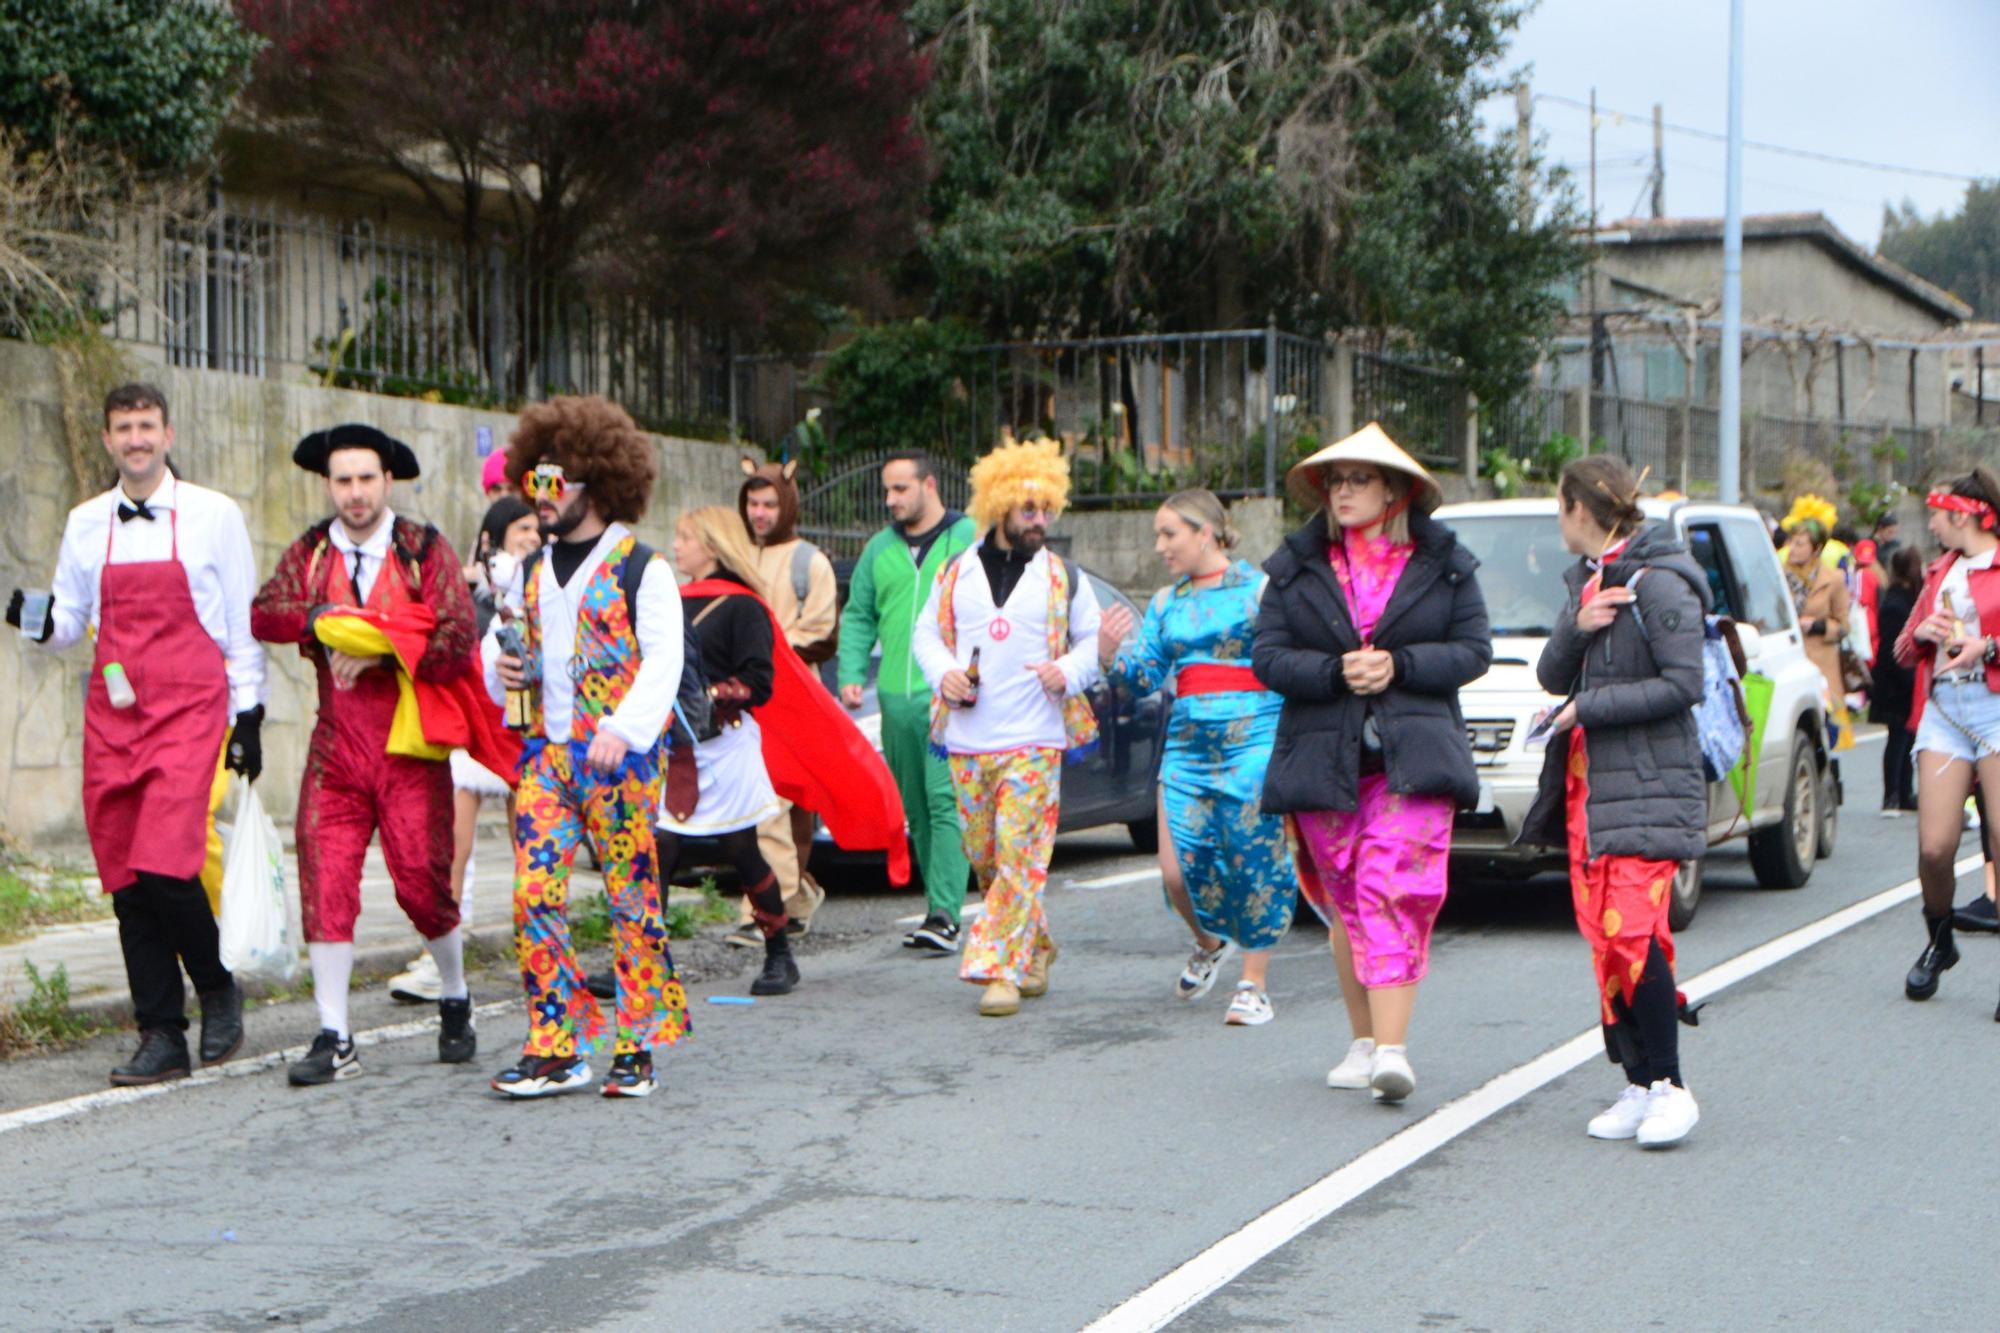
148, 769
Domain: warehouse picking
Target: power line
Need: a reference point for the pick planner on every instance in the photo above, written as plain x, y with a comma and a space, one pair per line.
1807, 153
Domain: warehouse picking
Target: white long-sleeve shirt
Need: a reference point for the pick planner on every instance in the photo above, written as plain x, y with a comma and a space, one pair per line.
214, 549
1013, 711
373, 552
642, 714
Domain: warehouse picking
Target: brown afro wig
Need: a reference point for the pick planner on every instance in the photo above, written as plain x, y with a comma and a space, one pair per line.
597, 444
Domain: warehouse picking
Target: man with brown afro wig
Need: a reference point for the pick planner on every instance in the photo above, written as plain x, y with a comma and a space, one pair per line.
593, 679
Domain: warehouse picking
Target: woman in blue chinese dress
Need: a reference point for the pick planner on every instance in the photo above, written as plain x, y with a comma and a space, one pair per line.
1223, 862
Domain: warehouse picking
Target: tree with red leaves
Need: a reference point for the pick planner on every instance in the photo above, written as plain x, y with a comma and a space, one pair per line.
742, 162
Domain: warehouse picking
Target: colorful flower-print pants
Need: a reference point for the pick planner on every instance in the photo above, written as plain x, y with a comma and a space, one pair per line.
1380, 870
1621, 901
1007, 805
562, 800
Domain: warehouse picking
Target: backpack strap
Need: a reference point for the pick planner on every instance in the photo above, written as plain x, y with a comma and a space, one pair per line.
630, 577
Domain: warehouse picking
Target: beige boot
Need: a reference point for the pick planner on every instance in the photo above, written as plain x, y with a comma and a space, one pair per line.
1000, 999
1036, 981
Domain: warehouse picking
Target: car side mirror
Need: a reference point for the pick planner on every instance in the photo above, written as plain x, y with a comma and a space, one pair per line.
1750, 639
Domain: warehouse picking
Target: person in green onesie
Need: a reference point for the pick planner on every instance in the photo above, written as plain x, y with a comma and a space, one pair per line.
892, 580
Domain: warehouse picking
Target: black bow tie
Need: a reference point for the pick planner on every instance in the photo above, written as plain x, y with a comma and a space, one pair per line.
126, 513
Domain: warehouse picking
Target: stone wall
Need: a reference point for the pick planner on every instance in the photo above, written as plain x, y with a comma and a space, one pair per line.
234, 433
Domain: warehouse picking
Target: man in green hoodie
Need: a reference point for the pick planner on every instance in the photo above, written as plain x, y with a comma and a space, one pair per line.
891, 582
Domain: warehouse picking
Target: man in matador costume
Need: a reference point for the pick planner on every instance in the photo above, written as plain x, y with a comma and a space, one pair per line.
377, 603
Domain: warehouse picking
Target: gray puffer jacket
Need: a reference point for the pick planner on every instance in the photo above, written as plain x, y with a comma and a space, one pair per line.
1635, 683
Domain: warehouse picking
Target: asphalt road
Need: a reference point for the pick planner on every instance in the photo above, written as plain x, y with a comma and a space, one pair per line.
868, 1153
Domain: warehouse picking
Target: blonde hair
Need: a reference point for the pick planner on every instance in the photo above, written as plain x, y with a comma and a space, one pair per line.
1199, 508
1015, 473
721, 530
1396, 486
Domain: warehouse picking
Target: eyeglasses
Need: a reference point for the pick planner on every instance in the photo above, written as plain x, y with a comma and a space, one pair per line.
1035, 509
1350, 481
547, 482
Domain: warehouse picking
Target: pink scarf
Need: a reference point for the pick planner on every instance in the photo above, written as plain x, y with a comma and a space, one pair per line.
1367, 570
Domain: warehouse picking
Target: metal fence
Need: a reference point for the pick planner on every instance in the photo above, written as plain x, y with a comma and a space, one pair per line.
1142, 416
259, 290
1423, 408
840, 514
1520, 426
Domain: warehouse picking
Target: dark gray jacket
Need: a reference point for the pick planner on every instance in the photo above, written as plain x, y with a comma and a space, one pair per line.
1635, 683
1434, 627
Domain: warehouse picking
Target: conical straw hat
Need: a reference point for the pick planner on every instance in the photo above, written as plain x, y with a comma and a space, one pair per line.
1370, 444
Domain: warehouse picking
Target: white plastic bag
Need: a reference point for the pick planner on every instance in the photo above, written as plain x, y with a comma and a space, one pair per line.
258, 940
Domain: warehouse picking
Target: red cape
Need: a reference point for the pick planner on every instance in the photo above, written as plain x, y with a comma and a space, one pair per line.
455, 713
817, 757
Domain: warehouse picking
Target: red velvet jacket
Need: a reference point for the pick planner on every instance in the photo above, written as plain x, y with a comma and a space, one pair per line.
1920, 656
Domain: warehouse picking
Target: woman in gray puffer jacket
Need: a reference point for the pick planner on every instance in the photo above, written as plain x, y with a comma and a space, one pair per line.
1622, 783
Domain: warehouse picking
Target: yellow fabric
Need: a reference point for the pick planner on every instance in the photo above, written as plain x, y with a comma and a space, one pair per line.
357, 638
211, 866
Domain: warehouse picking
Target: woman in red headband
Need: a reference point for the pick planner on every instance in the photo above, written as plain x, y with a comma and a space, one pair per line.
1952, 641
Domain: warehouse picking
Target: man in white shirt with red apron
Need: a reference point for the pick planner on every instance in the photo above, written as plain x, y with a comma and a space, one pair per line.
162, 571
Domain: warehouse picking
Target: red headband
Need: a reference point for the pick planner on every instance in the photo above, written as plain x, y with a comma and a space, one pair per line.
1963, 504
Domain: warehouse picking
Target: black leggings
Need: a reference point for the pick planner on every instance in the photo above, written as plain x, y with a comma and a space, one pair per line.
753, 872
1899, 770
1644, 1039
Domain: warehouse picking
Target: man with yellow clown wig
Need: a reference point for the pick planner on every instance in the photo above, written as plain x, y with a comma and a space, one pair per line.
1008, 643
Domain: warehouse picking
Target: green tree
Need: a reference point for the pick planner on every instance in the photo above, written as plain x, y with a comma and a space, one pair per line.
150, 80
1960, 252
1130, 165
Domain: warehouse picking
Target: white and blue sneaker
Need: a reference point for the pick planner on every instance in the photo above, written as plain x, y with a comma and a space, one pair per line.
1198, 977
630, 1076
543, 1076
1249, 1007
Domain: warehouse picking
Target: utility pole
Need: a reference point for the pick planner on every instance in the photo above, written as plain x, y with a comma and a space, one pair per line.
1730, 417
1659, 167
1596, 326
1524, 128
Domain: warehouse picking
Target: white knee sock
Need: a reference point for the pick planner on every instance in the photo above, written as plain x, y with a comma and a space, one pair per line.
332, 966
448, 952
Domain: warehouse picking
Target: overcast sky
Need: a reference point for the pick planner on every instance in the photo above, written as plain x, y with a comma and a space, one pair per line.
1914, 83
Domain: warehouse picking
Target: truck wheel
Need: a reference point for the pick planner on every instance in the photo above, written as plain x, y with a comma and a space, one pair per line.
1685, 895
1782, 855
1145, 833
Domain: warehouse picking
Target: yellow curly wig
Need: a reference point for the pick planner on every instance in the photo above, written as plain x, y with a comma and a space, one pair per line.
1017, 472
1814, 510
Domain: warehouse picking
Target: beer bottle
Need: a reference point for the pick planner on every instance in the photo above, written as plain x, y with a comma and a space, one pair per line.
972, 675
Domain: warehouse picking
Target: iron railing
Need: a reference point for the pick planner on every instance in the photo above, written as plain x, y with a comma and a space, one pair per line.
260, 290
1423, 408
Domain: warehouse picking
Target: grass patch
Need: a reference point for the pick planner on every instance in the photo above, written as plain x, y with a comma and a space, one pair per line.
45, 898
44, 1021
590, 919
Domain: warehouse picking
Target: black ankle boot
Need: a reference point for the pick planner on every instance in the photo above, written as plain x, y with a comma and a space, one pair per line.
1938, 955
221, 1024
162, 1054
780, 973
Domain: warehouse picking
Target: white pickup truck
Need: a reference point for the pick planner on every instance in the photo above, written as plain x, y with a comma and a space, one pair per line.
1791, 821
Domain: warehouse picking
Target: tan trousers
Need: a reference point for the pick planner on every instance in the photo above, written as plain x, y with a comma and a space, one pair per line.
778, 841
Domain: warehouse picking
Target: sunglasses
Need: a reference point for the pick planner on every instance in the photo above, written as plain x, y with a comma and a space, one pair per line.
547, 482
1035, 509
1350, 481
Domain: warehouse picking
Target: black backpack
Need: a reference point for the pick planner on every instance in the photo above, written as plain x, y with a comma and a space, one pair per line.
693, 718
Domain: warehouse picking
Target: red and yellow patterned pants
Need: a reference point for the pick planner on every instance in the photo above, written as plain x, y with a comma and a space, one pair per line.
1007, 804
1621, 901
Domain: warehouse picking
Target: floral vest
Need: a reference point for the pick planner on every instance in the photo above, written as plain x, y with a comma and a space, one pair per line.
607, 645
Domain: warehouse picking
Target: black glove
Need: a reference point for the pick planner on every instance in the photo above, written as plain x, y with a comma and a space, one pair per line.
14, 605
246, 743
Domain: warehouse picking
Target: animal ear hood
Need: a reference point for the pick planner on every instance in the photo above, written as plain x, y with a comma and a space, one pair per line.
778, 476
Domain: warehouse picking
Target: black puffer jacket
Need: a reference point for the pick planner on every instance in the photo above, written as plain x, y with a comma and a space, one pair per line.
1434, 627
1636, 683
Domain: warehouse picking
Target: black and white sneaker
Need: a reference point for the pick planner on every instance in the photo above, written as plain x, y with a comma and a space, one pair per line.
542, 1076
630, 1076
938, 935
328, 1060
458, 1042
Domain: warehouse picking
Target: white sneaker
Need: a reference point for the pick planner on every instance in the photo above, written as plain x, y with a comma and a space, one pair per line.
1355, 1067
419, 983
1392, 1079
1670, 1116
1620, 1120
1198, 977
1249, 1007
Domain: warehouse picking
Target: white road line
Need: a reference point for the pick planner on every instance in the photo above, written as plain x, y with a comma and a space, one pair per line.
967, 915
98, 1101
1113, 881
1200, 1277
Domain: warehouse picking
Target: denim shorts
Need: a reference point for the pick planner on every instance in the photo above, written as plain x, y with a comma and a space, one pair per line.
1961, 719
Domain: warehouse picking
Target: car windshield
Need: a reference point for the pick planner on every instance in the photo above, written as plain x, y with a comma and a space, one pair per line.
1521, 563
